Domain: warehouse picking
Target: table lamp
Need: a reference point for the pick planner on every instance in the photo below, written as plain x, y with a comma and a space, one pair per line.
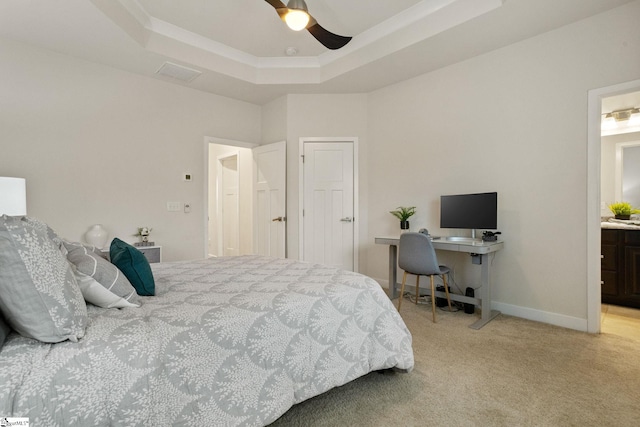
13, 196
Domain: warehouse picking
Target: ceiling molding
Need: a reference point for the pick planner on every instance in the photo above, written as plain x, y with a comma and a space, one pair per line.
417, 23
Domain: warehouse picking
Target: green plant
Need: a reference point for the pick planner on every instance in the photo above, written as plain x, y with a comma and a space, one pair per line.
623, 208
403, 213
143, 231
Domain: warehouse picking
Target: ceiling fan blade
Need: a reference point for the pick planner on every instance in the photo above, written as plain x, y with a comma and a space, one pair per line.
280, 7
327, 38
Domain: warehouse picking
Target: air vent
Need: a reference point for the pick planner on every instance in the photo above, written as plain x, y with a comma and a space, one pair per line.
178, 72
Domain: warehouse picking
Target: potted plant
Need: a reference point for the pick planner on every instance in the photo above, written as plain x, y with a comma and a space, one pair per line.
622, 210
403, 214
143, 233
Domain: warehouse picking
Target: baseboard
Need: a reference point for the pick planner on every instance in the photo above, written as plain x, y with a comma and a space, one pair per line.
384, 283
541, 316
556, 319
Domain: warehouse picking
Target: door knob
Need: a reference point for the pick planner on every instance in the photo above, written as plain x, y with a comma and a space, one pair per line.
279, 219
347, 219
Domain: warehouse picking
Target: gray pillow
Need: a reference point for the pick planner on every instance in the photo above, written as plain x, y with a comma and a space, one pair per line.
51, 234
39, 295
4, 330
88, 260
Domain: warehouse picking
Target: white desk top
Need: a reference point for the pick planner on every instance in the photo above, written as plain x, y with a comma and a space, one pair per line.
457, 245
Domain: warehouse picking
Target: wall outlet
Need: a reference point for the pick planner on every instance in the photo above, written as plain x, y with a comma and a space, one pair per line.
187, 177
174, 206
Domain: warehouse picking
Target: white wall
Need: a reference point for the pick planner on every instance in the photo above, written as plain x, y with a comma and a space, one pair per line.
513, 121
274, 121
98, 145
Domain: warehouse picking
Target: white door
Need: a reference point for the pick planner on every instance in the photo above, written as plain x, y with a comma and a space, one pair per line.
229, 206
269, 199
328, 205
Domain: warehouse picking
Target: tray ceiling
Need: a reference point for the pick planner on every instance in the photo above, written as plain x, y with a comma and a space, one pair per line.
240, 46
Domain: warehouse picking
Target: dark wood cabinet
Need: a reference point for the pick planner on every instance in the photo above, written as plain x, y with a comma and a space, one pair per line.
620, 267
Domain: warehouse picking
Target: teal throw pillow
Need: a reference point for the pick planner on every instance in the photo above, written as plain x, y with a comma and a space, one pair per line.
134, 266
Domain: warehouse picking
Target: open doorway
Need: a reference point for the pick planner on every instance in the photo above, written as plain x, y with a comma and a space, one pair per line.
228, 204
245, 194
230, 198
620, 182
596, 203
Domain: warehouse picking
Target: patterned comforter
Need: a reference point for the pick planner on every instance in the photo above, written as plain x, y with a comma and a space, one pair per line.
226, 341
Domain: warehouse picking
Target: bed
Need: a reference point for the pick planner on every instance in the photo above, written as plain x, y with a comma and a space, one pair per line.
224, 341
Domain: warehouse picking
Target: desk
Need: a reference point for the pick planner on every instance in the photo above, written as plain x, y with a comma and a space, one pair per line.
479, 248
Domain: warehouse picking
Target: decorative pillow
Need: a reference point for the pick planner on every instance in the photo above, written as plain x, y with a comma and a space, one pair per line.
134, 265
89, 261
41, 226
39, 295
97, 294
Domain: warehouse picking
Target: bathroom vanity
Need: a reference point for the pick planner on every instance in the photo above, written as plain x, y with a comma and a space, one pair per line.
620, 266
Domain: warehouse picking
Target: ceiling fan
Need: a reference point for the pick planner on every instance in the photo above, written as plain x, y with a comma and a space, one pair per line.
297, 17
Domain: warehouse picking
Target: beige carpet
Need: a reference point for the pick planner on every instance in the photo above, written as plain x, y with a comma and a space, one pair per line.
512, 372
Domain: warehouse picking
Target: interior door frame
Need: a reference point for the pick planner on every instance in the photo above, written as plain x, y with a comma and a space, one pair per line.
356, 202
594, 141
207, 141
220, 198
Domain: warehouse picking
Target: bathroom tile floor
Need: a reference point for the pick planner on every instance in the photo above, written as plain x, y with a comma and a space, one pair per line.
621, 321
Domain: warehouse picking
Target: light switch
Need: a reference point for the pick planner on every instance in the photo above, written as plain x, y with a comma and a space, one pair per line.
174, 206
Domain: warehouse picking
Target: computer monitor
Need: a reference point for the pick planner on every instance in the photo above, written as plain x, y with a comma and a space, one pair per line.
470, 211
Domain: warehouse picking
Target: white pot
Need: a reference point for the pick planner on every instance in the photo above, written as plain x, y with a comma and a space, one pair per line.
97, 236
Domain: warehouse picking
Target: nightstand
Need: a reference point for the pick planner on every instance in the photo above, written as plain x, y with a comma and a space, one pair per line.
152, 253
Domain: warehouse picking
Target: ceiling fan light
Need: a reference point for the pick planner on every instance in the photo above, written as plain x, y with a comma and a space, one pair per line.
297, 19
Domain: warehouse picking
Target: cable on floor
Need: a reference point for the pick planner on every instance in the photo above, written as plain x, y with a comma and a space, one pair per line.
426, 299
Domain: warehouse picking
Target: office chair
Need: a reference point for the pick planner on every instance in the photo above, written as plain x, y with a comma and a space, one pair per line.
418, 257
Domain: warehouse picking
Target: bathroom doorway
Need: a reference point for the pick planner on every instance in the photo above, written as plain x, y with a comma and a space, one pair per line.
599, 179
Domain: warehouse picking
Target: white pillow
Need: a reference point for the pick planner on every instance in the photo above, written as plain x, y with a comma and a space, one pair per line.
96, 294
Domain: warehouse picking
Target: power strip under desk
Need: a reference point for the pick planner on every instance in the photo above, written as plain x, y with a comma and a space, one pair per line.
440, 294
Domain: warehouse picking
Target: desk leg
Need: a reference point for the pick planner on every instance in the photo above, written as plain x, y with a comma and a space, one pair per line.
393, 270
485, 296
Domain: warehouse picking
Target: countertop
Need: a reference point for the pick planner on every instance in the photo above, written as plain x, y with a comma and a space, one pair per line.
620, 224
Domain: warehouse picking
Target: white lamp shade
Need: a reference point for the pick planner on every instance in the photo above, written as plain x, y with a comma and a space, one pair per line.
13, 196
